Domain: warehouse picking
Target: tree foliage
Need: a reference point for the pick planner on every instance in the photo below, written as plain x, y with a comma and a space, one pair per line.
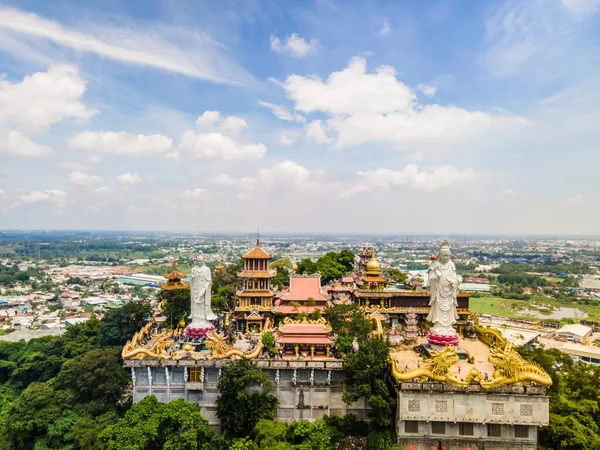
176, 305
118, 325
149, 425
244, 398
365, 375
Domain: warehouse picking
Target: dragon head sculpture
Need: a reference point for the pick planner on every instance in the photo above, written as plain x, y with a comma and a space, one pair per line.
441, 361
506, 360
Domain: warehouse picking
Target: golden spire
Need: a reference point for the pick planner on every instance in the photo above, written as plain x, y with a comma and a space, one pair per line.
373, 266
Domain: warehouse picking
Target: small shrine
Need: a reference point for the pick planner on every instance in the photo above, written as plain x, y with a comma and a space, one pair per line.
174, 279
304, 338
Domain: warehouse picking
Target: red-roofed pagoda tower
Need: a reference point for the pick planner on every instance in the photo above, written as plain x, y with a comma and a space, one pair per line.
255, 300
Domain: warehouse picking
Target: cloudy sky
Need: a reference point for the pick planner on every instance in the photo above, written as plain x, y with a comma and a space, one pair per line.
317, 116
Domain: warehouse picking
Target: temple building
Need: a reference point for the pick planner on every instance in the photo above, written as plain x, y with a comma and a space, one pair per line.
304, 294
304, 337
254, 301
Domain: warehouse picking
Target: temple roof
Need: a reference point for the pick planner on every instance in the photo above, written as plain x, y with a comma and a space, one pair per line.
255, 293
302, 287
257, 253
257, 274
174, 275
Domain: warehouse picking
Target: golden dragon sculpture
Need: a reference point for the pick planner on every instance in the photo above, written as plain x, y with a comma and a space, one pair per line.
135, 348
511, 368
435, 369
220, 349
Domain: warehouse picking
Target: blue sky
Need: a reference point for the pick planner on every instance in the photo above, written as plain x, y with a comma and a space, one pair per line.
323, 116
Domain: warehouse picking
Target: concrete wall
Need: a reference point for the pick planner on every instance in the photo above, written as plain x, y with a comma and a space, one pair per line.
306, 390
511, 409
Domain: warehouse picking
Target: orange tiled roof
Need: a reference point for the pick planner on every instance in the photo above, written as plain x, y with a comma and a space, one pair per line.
255, 274
255, 293
301, 288
257, 253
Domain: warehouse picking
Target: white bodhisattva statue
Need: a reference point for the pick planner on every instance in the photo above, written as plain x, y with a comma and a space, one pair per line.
444, 284
200, 290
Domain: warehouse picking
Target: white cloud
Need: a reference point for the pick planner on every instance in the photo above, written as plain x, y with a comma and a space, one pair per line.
103, 190
285, 175
172, 49
208, 118
194, 194
582, 6
294, 45
83, 179
416, 179
15, 143
366, 107
121, 143
575, 200
284, 139
385, 29
220, 140
282, 113
215, 121
43, 99
350, 91
427, 89
315, 132
51, 196
218, 146
508, 192
129, 179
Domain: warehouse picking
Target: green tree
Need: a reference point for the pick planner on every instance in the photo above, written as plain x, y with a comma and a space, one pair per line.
365, 373
244, 398
32, 413
118, 325
176, 305
306, 266
348, 320
94, 376
150, 425
268, 341
271, 435
282, 263
397, 275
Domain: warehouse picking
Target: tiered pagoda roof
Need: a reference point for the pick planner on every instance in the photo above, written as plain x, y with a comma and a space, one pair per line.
174, 279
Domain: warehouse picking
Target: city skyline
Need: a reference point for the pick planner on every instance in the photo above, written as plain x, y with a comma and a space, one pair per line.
436, 118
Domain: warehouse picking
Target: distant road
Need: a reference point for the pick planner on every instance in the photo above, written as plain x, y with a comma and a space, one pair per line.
26, 335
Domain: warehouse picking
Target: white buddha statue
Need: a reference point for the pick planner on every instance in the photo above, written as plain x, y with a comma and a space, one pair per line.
200, 290
444, 284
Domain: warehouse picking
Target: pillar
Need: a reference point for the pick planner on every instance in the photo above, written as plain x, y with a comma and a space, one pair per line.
296, 349
312, 351
327, 349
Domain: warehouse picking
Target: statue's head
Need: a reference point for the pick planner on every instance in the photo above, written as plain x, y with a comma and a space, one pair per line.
200, 258
443, 252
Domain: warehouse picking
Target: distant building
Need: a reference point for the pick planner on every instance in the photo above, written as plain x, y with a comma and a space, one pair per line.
474, 287
574, 332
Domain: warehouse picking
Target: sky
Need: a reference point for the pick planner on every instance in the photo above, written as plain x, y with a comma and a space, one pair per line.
366, 117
